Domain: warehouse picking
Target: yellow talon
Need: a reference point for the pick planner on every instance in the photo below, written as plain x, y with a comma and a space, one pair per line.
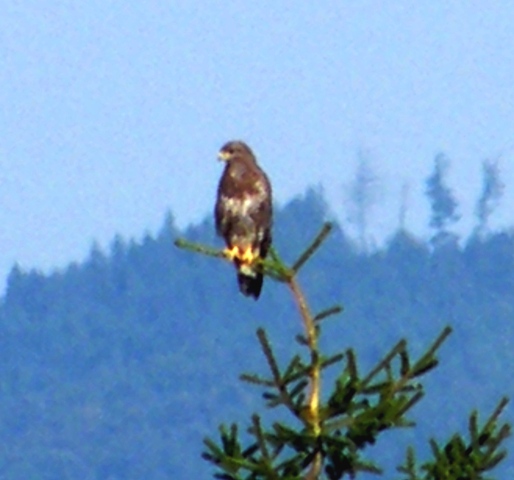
231, 253
248, 256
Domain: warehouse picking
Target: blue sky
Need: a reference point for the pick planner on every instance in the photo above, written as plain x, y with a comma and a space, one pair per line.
112, 112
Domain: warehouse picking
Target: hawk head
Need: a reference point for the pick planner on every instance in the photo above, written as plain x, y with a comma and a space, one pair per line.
235, 150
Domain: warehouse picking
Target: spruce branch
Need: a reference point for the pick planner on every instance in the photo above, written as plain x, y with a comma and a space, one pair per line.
461, 458
428, 361
285, 398
294, 399
199, 248
328, 312
276, 269
334, 432
400, 346
272, 267
316, 243
259, 434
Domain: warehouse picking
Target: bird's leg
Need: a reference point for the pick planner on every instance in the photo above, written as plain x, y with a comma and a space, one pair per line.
248, 256
232, 252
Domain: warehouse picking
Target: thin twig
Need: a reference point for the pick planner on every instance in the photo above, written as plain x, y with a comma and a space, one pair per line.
387, 359
494, 416
199, 248
259, 435
329, 311
275, 371
320, 237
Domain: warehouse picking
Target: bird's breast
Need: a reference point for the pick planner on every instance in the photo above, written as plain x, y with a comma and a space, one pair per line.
237, 206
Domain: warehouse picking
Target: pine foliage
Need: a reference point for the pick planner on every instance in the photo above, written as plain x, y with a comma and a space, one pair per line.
327, 433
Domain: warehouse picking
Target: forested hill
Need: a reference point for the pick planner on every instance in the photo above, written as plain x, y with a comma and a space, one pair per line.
116, 368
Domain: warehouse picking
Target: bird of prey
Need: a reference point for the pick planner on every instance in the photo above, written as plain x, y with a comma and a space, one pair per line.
243, 214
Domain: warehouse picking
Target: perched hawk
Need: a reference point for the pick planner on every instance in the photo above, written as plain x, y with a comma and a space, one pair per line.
243, 214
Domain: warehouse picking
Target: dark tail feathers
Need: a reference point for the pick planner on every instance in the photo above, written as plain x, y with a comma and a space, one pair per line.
250, 286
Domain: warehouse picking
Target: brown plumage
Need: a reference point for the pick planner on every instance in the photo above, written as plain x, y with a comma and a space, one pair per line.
243, 214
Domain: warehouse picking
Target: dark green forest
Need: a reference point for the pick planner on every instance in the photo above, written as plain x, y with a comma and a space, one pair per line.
119, 366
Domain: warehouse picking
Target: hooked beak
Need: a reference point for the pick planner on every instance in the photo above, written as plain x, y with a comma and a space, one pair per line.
223, 156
